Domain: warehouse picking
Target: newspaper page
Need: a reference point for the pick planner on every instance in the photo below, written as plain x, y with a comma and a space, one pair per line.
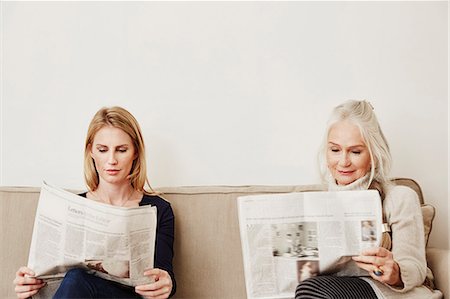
71, 231
287, 238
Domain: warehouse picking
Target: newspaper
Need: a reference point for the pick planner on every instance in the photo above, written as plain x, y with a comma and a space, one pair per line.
71, 231
287, 238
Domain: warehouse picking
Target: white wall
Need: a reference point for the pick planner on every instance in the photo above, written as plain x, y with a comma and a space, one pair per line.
227, 93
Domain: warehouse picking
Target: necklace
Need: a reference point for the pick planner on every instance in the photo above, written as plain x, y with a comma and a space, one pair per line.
109, 200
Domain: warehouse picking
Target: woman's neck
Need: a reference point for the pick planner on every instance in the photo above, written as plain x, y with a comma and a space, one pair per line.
360, 184
117, 195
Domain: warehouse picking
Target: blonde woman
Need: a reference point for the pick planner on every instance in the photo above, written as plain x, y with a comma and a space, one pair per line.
115, 173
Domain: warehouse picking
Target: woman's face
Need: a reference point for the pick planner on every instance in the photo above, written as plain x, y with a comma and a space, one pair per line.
348, 158
113, 153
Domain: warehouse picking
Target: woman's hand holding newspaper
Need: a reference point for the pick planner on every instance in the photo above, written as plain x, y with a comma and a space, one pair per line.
25, 284
380, 264
161, 288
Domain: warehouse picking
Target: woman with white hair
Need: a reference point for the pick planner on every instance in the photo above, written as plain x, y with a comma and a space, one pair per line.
355, 156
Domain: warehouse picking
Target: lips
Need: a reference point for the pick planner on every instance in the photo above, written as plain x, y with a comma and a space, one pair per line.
345, 172
112, 171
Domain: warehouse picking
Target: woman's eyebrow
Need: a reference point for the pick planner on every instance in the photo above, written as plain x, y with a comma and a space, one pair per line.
357, 146
351, 146
120, 145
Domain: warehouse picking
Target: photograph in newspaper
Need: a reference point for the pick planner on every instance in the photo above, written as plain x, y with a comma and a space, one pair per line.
287, 238
71, 231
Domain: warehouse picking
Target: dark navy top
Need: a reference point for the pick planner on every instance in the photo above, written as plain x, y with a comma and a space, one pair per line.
165, 227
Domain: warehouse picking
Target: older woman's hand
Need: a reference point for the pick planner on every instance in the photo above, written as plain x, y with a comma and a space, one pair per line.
25, 285
380, 264
161, 288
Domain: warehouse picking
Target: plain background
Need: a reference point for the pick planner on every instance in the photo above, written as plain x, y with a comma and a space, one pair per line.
227, 93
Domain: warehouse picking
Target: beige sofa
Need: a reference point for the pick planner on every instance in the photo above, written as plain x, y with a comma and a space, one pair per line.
208, 258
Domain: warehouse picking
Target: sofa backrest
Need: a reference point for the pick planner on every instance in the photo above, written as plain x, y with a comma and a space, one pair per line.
17, 210
208, 257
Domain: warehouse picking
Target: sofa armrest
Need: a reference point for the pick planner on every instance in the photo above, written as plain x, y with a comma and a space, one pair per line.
439, 262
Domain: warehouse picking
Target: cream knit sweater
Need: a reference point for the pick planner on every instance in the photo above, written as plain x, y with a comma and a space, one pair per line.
402, 209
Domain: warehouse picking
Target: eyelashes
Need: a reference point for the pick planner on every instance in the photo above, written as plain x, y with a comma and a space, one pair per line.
335, 150
103, 150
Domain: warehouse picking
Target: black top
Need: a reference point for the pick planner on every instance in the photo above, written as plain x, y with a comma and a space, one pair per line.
164, 234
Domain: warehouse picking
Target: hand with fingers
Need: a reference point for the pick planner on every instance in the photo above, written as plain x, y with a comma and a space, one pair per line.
159, 289
380, 264
25, 284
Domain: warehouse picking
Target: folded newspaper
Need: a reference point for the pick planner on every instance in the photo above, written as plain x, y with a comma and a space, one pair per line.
287, 238
71, 231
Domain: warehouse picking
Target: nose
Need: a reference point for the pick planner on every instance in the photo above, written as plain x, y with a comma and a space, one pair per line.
112, 159
344, 160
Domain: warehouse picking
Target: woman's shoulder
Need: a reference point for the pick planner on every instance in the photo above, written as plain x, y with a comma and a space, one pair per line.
401, 196
154, 200
401, 191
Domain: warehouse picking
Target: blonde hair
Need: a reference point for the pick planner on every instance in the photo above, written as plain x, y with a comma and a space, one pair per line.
361, 114
120, 118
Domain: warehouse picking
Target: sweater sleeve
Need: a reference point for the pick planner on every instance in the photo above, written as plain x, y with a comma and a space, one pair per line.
165, 231
404, 215
164, 242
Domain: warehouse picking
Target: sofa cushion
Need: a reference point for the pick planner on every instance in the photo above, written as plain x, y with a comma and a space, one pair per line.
428, 212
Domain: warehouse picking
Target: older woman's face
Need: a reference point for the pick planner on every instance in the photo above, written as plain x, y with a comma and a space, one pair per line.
348, 158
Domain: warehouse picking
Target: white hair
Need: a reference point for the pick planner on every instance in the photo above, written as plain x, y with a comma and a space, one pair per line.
361, 114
